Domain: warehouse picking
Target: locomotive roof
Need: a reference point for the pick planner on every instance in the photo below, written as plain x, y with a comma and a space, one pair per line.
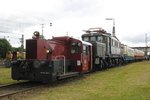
86, 43
64, 38
96, 34
96, 31
67, 38
115, 38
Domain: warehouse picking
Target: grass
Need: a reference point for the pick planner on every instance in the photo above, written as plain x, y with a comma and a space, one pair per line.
130, 82
5, 76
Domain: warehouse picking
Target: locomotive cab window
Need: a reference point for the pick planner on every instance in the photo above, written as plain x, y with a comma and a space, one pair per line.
86, 38
75, 47
85, 50
100, 38
93, 38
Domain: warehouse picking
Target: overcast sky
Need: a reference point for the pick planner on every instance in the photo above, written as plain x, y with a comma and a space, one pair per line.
70, 17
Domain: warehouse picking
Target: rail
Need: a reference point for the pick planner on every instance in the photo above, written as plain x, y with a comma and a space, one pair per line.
11, 89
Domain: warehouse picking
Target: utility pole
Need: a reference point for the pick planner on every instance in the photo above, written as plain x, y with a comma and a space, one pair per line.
146, 44
50, 24
42, 30
113, 29
22, 43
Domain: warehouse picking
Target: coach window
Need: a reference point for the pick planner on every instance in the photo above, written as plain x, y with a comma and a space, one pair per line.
119, 45
115, 44
75, 47
112, 42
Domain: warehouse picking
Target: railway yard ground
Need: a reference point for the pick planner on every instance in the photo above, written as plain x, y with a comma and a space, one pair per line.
128, 82
5, 76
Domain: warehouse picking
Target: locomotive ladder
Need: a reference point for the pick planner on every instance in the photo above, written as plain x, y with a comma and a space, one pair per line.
65, 75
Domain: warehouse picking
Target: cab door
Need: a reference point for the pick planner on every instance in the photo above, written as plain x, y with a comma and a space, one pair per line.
86, 58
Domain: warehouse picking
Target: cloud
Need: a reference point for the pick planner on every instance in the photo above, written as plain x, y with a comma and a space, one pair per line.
26, 13
73, 16
139, 38
82, 7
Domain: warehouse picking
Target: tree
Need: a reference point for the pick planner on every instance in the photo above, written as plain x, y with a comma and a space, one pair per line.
17, 49
4, 47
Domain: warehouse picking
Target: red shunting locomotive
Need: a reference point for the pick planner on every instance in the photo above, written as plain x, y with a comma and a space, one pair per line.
53, 59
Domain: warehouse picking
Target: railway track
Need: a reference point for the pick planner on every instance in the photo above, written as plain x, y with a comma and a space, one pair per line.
11, 89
